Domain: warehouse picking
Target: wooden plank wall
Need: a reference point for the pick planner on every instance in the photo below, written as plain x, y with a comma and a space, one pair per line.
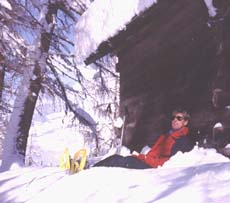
170, 63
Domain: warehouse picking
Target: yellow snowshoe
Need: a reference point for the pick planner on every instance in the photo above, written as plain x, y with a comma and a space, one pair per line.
78, 162
64, 162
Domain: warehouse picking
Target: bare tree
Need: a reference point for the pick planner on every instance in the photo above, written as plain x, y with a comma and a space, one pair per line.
40, 40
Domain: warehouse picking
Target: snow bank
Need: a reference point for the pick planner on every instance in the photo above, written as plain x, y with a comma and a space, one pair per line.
200, 172
195, 157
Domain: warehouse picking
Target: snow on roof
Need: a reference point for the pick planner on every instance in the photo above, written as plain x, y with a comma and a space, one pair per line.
102, 20
211, 9
6, 4
105, 18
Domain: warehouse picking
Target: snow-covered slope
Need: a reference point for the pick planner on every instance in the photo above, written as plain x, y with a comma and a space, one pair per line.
200, 176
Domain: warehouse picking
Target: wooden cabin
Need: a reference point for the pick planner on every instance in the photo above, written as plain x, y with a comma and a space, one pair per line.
169, 57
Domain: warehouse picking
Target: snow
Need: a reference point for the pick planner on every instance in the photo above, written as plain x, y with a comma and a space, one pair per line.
199, 172
49, 138
10, 153
102, 20
218, 125
201, 175
212, 11
5, 4
118, 122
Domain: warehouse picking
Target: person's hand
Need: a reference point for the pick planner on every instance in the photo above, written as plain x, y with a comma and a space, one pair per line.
135, 153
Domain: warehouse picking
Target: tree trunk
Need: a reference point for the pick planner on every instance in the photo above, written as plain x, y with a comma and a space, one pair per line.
2, 127
14, 145
15, 142
28, 111
2, 75
34, 89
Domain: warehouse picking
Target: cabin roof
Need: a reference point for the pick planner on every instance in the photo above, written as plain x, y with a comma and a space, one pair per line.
102, 21
99, 42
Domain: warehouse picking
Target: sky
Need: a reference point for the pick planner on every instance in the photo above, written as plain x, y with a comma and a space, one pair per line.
200, 176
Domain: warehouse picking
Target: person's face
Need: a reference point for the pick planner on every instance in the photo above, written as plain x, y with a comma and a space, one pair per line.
178, 121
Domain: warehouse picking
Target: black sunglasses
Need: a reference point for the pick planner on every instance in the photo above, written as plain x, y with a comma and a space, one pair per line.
179, 118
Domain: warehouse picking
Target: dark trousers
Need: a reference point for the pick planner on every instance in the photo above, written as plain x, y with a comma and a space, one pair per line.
124, 162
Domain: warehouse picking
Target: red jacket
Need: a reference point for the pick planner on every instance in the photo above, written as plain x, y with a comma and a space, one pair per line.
162, 149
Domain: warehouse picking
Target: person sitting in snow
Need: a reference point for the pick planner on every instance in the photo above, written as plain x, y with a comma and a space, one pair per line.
166, 145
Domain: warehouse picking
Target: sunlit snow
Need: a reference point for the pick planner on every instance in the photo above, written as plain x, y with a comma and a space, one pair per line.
200, 176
